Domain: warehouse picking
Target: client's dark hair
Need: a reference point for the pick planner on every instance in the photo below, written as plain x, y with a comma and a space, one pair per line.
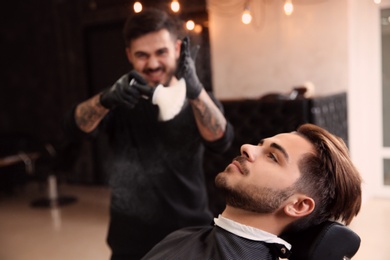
329, 177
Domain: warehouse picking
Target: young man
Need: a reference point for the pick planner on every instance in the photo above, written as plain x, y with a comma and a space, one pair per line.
156, 176
287, 182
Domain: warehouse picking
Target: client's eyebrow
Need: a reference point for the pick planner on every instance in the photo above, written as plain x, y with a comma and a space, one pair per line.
278, 147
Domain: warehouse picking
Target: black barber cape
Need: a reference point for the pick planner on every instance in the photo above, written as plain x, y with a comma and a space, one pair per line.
213, 242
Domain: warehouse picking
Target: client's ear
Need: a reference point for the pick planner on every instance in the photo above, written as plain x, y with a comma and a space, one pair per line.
299, 206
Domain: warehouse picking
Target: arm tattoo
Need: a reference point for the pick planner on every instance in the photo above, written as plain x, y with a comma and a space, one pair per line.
89, 114
87, 117
208, 117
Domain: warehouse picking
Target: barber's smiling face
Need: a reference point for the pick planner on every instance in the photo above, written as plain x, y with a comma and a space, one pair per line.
154, 56
263, 176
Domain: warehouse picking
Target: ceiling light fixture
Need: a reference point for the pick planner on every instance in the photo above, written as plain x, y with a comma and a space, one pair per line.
288, 7
190, 25
246, 17
137, 7
175, 6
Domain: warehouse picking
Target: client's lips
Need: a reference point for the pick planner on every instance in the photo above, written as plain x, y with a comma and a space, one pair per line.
238, 165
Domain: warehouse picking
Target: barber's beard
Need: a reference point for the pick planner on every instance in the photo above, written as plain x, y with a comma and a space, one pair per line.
253, 198
169, 73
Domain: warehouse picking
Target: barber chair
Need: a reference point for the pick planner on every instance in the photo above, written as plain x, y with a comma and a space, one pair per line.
327, 241
48, 166
25, 158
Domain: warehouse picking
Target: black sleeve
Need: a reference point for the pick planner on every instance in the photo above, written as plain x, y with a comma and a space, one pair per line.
221, 145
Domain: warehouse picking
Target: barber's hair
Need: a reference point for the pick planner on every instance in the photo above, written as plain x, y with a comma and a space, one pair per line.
150, 20
329, 177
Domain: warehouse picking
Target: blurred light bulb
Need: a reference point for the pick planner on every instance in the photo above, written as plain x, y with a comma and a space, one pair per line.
175, 6
288, 7
246, 17
190, 25
198, 28
377, 1
137, 7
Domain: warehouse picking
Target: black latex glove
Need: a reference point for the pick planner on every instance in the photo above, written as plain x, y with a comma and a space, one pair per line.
145, 90
186, 69
122, 92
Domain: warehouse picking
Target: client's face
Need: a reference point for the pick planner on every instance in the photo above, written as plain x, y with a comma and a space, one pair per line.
263, 177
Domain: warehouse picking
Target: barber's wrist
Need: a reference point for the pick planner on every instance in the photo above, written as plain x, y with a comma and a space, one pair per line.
98, 102
103, 102
195, 91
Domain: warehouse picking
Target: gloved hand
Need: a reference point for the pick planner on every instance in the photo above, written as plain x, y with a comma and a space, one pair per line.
122, 92
186, 69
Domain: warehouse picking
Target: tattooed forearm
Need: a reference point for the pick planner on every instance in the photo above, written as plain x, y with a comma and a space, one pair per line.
89, 113
210, 120
207, 117
87, 117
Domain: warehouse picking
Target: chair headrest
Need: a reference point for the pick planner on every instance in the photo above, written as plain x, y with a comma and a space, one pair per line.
327, 241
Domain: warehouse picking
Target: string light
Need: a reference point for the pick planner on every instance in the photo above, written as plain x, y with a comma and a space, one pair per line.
190, 25
137, 7
246, 17
198, 28
288, 7
175, 6
254, 12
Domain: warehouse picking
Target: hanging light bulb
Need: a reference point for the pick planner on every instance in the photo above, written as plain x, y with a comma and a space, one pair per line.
137, 7
288, 7
246, 17
190, 25
175, 6
198, 28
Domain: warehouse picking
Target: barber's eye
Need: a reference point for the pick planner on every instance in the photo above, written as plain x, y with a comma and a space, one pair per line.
272, 157
162, 52
142, 56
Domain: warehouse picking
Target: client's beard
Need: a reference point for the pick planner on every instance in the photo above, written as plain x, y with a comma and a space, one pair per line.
253, 198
